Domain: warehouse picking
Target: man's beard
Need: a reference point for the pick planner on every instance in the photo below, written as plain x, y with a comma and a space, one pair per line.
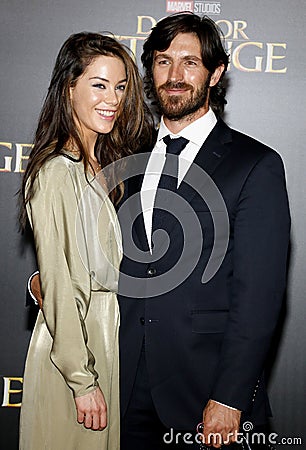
177, 107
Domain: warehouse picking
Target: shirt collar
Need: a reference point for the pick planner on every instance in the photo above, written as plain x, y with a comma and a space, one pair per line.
196, 132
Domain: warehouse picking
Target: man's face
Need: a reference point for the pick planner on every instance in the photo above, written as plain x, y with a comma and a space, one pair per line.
182, 83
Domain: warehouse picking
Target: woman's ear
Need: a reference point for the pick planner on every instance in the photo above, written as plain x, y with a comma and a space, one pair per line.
70, 92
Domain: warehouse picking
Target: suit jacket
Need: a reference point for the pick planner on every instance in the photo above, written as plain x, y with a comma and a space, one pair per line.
209, 340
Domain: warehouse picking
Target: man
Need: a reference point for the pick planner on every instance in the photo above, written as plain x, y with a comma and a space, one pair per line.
196, 352
196, 329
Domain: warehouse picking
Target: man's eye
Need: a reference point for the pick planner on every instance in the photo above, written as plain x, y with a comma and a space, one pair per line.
191, 63
163, 62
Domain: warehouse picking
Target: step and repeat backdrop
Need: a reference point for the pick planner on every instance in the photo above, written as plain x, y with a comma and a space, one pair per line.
266, 99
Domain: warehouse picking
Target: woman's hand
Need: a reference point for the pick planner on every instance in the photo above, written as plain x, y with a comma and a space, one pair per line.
92, 410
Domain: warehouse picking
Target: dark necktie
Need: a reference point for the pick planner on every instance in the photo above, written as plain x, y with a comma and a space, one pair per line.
169, 182
174, 147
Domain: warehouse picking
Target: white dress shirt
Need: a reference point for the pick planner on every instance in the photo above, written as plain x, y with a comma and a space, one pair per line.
196, 133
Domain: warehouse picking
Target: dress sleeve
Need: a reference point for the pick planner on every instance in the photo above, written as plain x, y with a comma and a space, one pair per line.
65, 282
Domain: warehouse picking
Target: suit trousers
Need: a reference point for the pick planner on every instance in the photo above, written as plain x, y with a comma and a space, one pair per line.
141, 428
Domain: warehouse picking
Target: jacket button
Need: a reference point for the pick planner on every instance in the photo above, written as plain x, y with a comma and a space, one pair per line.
151, 271
142, 320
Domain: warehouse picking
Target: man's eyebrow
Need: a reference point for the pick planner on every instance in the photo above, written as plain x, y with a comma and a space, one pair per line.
161, 55
197, 58
185, 57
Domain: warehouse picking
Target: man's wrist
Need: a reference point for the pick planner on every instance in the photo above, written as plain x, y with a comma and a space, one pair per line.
226, 406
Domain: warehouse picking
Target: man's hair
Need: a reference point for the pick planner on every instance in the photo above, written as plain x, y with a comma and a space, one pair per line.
212, 50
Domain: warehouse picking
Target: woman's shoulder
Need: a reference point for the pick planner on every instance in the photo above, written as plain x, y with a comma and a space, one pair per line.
58, 171
62, 162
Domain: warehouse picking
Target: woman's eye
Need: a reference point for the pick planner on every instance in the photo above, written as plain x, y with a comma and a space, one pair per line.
121, 87
99, 86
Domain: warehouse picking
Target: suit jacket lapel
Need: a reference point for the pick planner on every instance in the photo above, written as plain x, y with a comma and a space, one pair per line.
209, 157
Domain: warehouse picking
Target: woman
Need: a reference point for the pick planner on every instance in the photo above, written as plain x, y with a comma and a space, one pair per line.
94, 114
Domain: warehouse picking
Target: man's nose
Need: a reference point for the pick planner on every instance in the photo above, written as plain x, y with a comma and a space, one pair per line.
175, 72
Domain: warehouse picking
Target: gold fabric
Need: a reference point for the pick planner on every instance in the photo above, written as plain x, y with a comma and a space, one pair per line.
74, 345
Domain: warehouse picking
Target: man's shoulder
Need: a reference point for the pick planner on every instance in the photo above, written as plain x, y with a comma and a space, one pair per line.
247, 147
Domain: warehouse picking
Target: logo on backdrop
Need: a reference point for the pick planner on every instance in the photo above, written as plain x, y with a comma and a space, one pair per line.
197, 7
248, 54
11, 391
13, 157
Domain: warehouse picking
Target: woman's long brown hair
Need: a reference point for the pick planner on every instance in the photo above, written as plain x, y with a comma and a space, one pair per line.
133, 127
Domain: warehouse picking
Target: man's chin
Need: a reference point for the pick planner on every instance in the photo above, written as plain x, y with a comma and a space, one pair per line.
173, 112
174, 117
176, 114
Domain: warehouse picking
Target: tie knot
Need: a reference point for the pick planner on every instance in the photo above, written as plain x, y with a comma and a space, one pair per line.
175, 146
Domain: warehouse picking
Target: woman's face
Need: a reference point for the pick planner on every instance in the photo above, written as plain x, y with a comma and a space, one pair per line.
96, 96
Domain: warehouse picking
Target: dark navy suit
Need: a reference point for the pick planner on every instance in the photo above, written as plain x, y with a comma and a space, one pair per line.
210, 340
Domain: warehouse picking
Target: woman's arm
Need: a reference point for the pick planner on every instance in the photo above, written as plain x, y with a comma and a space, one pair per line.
65, 286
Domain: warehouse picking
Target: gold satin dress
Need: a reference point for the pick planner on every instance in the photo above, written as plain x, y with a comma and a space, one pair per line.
74, 345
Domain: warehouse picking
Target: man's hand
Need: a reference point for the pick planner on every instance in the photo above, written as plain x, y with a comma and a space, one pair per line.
35, 289
92, 410
221, 424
